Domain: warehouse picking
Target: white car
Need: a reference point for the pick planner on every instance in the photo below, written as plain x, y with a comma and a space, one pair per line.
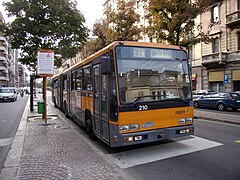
198, 93
8, 94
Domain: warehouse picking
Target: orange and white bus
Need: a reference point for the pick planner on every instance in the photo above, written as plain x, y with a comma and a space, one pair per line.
129, 93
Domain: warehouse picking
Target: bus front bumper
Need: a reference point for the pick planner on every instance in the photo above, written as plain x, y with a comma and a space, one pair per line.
151, 136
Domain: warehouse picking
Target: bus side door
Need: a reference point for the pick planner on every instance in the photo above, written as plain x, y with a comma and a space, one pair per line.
69, 85
100, 112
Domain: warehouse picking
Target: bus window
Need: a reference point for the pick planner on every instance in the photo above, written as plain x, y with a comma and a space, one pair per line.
73, 81
65, 82
87, 78
144, 71
79, 80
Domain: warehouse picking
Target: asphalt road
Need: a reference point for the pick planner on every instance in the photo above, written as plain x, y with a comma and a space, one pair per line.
10, 116
219, 162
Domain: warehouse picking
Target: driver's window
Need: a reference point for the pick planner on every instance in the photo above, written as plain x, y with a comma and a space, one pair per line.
206, 96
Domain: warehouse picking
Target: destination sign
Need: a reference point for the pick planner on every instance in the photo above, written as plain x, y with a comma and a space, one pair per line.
161, 53
139, 52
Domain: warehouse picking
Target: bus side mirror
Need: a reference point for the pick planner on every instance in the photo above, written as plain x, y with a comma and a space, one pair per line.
105, 62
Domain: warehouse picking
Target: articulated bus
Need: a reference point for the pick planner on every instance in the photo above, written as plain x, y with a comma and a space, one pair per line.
129, 93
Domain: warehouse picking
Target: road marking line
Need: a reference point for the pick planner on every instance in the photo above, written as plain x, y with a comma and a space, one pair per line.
237, 141
159, 152
6, 141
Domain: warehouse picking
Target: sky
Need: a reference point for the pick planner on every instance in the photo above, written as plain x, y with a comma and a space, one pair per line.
91, 9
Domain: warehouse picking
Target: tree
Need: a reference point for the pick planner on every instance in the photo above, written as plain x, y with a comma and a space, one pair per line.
173, 21
120, 24
100, 29
45, 24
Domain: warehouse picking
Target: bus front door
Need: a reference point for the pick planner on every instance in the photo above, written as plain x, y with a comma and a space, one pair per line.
69, 90
100, 114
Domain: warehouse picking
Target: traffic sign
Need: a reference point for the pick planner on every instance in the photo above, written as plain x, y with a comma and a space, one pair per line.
226, 79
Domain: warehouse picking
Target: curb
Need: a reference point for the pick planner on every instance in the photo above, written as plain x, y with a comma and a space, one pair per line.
217, 120
12, 163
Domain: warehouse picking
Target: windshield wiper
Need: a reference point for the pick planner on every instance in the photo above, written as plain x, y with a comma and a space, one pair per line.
139, 98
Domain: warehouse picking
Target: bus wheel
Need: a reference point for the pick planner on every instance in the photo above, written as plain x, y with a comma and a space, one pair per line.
54, 102
89, 129
65, 111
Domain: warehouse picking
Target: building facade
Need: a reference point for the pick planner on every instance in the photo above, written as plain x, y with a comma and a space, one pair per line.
221, 57
8, 61
4, 77
22, 76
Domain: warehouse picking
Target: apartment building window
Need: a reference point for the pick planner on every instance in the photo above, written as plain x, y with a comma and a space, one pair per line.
215, 45
215, 14
216, 86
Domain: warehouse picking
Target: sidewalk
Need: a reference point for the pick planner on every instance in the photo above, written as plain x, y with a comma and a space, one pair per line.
217, 116
54, 151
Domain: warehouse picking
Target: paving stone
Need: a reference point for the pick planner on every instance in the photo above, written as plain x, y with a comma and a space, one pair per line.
53, 152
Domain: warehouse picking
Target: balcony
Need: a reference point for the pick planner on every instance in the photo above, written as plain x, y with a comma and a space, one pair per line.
233, 20
2, 38
2, 68
214, 60
2, 58
3, 78
3, 48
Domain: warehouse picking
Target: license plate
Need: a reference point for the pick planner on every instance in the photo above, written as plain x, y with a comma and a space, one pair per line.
138, 138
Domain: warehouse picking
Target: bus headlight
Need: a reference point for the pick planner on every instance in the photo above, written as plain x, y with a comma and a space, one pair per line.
182, 121
124, 128
134, 126
185, 120
128, 127
189, 120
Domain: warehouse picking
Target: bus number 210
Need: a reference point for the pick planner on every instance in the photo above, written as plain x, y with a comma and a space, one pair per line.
143, 107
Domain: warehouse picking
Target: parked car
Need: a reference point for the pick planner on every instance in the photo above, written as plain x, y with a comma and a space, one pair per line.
8, 94
198, 93
237, 92
219, 100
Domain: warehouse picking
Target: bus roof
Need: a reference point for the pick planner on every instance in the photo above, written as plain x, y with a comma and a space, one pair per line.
126, 43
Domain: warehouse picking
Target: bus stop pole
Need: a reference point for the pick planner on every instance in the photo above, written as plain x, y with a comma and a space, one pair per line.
44, 116
31, 93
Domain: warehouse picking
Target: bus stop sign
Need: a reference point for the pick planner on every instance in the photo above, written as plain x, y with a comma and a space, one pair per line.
45, 63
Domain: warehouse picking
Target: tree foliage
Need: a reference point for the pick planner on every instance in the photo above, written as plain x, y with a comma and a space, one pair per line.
119, 24
45, 24
173, 21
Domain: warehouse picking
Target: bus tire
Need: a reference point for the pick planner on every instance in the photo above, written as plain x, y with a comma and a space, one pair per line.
54, 102
89, 129
65, 110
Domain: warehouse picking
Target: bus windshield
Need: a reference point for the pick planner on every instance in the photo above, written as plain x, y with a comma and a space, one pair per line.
152, 74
